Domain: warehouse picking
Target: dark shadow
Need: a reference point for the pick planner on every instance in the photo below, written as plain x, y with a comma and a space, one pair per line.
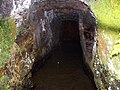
70, 31
63, 69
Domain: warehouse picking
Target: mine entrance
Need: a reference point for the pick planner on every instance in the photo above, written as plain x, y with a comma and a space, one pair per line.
63, 69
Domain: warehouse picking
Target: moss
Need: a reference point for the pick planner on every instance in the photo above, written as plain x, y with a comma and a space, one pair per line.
108, 15
7, 36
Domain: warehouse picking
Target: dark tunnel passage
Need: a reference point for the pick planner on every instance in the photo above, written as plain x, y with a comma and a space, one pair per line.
63, 69
70, 31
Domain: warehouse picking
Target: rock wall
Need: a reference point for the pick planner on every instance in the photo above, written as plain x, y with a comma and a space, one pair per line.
5, 7
106, 67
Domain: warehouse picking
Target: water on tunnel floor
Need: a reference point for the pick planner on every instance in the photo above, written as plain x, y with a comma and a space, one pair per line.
63, 70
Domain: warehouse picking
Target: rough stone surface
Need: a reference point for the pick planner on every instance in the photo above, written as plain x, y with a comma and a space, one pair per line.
5, 7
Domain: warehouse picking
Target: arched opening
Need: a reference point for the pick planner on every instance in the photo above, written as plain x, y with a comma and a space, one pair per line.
63, 68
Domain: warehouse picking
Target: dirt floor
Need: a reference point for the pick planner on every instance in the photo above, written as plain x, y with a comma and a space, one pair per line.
63, 70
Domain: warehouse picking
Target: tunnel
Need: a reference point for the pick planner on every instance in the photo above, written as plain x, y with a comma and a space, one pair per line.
62, 68
55, 46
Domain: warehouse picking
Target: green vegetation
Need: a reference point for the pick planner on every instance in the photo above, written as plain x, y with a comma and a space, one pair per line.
108, 15
4, 83
116, 49
7, 35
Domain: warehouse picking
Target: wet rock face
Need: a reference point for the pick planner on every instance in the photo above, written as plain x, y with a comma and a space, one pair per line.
5, 7
0, 6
